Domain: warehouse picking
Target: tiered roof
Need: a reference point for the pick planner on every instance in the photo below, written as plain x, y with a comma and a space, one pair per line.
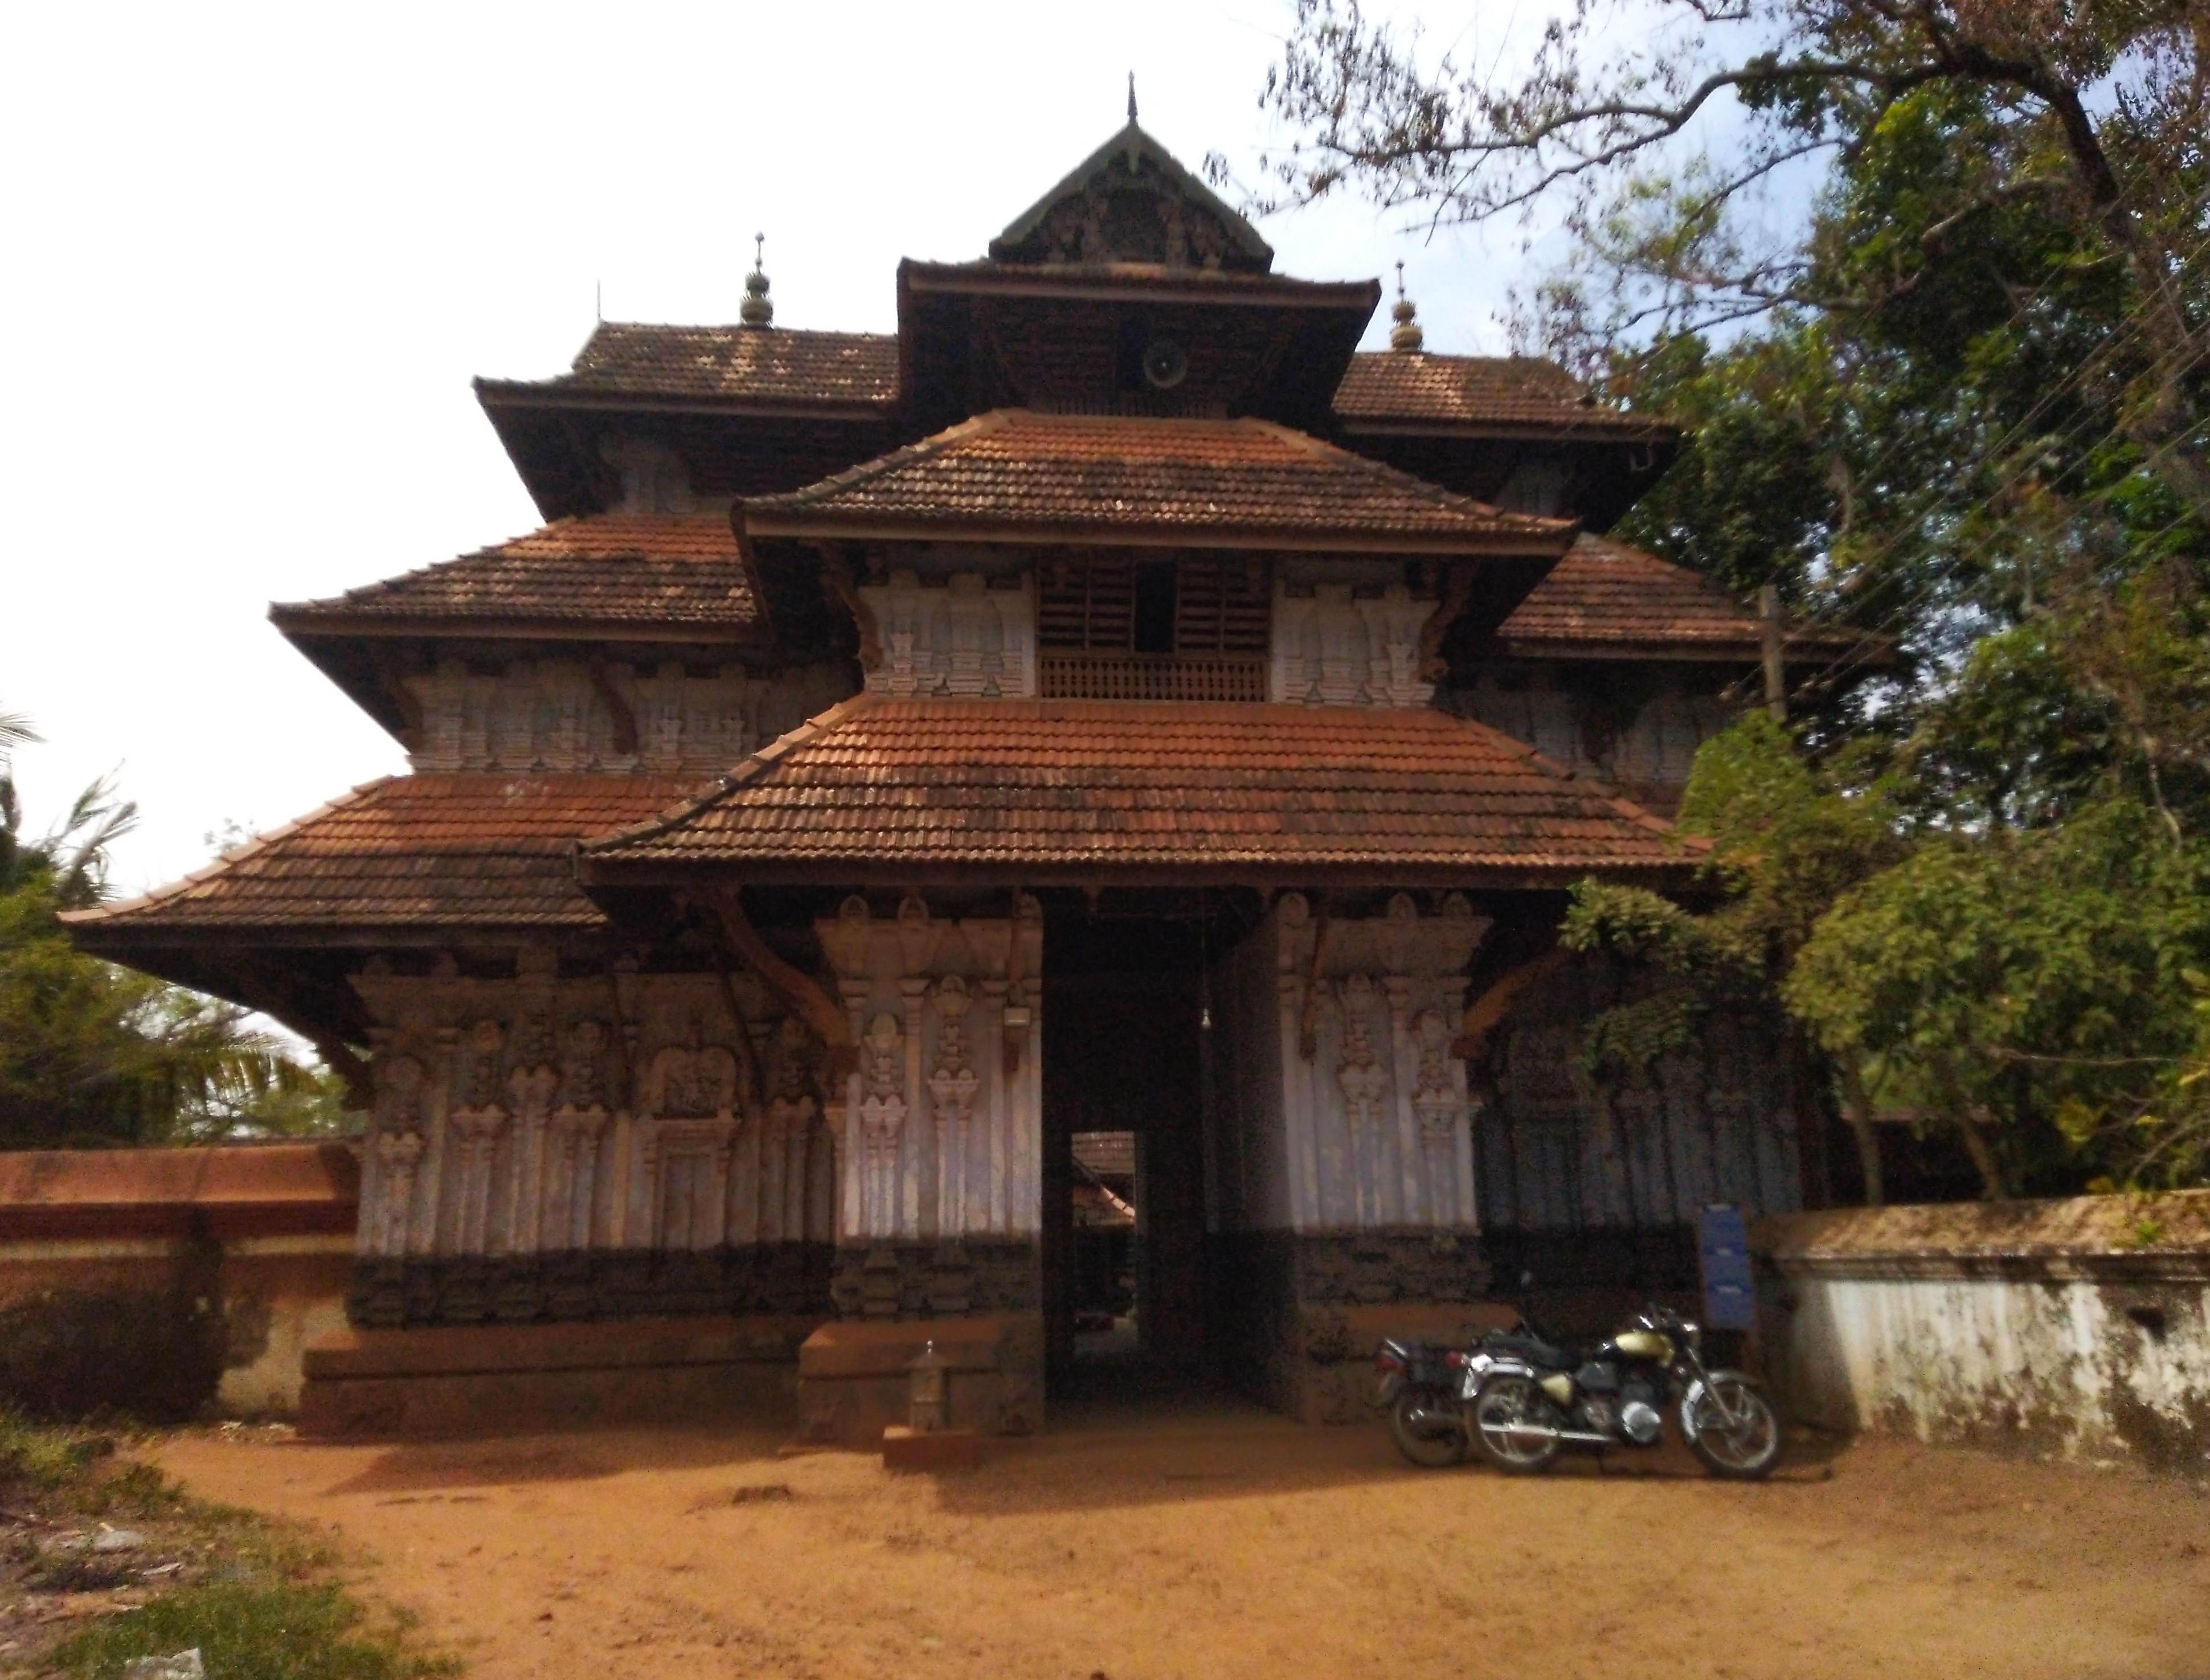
734, 364
1606, 598
903, 790
427, 850
676, 576
1012, 472
1504, 392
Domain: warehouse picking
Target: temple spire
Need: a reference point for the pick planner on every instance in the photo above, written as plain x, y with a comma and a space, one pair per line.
757, 310
1405, 335
1131, 96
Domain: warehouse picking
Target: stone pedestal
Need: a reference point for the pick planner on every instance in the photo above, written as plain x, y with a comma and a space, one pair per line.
853, 1376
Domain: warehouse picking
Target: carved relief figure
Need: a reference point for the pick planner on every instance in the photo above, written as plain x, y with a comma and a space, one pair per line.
1366, 1087
791, 1116
399, 1144
951, 1088
882, 1117
693, 1082
530, 1089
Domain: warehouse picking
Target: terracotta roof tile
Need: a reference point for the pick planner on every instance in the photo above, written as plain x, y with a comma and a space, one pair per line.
1013, 468
682, 571
1604, 593
780, 364
877, 786
1473, 390
419, 851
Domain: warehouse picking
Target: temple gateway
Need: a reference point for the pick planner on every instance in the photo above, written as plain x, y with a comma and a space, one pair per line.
1109, 744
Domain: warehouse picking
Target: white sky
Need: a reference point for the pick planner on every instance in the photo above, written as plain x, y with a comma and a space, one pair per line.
254, 257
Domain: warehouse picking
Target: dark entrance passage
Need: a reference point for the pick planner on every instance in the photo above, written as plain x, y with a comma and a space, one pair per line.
1123, 1071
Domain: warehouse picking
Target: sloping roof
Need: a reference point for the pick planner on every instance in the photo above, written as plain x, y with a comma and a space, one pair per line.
1013, 471
1506, 391
879, 787
1607, 594
678, 572
771, 365
425, 851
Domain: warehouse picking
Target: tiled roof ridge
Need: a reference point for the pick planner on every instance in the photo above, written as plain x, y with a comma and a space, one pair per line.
1397, 478
732, 326
975, 425
752, 765
223, 862
365, 593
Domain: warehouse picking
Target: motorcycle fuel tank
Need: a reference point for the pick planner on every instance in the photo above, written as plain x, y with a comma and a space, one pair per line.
1644, 1344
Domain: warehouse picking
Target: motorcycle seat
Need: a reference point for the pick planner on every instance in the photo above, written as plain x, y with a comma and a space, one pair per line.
1534, 1350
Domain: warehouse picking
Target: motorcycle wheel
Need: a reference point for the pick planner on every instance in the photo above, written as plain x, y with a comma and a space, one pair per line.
1426, 1433
1745, 1451
1494, 1418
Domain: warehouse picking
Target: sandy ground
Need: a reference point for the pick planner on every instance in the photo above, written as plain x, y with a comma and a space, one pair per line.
1227, 1543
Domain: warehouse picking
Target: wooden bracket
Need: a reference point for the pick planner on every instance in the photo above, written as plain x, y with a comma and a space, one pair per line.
1308, 1021
624, 715
1490, 1011
796, 988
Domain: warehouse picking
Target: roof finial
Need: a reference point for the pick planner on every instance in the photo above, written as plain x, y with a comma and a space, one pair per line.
756, 310
1131, 96
1405, 335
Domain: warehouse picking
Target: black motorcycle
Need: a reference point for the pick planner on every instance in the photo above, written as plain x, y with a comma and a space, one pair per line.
1527, 1398
1420, 1387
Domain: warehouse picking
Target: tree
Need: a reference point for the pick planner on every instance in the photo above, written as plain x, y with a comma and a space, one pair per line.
2092, 117
1927, 281
2041, 986
91, 1054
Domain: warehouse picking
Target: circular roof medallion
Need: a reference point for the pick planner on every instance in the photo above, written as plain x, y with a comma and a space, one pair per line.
1166, 364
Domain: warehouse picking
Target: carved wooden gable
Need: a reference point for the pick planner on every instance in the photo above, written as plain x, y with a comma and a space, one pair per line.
1131, 202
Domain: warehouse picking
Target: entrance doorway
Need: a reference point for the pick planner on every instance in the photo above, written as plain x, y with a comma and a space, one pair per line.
1105, 1255
1124, 1181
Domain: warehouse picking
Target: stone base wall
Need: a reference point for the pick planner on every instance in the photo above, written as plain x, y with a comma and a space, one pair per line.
1297, 1317
495, 1378
897, 1281
783, 1279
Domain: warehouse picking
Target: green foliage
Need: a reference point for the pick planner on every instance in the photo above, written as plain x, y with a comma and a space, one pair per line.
283, 1632
2036, 979
91, 1054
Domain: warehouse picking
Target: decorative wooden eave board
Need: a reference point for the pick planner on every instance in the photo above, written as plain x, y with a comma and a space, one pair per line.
1148, 283
306, 626
526, 395
846, 528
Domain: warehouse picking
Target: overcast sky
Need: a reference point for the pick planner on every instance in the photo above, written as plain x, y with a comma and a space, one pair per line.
256, 255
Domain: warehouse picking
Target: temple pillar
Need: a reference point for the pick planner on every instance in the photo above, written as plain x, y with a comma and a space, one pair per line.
938, 1237
1350, 1211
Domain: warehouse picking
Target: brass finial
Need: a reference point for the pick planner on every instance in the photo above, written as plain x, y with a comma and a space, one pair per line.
1406, 334
757, 310
1131, 96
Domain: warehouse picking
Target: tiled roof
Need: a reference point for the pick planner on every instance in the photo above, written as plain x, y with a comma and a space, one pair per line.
1517, 391
1606, 593
777, 364
420, 851
681, 571
1013, 469
876, 786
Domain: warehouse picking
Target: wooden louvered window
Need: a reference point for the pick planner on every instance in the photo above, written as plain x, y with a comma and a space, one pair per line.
1188, 627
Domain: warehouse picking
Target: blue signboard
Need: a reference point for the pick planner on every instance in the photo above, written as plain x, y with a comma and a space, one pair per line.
1723, 1248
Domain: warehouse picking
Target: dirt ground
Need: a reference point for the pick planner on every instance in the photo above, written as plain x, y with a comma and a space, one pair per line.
1227, 1543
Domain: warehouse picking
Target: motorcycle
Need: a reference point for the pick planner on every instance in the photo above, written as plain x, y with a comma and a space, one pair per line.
1525, 1400
1420, 1387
